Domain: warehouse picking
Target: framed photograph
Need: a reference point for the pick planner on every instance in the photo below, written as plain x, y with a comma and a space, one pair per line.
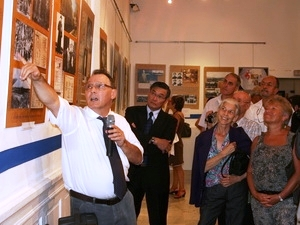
125, 85
85, 45
24, 40
70, 10
212, 78
30, 39
60, 21
116, 74
103, 50
184, 80
69, 88
147, 74
40, 49
252, 76
41, 11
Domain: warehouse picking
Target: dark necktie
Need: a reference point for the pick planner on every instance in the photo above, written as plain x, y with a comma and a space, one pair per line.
148, 124
120, 186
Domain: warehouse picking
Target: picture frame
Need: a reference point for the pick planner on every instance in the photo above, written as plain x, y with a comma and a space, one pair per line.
252, 76
212, 78
184, 80
30, 39
85, 44
103, 49
145, 75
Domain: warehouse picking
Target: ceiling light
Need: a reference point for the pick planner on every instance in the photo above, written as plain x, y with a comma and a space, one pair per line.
134, 7
170, 1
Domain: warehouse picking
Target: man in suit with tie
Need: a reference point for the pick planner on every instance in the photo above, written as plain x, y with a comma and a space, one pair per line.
152, 177
95, 180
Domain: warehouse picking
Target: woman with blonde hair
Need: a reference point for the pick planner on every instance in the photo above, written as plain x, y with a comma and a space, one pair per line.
271, 153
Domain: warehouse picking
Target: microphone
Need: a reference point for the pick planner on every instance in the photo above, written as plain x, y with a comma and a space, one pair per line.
109, 123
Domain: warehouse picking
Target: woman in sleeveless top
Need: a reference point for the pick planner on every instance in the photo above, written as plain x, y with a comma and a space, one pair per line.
177, 189
271, 190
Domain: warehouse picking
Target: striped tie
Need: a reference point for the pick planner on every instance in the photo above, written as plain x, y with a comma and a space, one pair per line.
148, 124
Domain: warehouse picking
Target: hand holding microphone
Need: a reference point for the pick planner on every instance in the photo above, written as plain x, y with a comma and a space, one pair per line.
109, 125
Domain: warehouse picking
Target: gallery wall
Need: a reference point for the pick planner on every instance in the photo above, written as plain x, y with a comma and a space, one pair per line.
212, 33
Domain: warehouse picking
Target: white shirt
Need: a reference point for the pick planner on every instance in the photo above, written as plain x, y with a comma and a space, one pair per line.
86, 168
250, 127
256, 113
211, 105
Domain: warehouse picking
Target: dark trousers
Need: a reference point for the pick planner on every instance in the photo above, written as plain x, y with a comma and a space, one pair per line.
153, 183
248, 220
232, 200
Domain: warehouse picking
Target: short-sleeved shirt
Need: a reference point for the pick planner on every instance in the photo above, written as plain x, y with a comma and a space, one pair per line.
251, 127
256, 113
86, 168
211, 105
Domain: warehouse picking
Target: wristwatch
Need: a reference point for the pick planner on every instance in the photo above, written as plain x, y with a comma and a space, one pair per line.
280, 199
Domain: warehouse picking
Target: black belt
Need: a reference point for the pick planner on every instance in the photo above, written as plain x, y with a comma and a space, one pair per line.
86, 198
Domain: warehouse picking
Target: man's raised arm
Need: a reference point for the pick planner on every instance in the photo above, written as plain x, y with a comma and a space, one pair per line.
44, 91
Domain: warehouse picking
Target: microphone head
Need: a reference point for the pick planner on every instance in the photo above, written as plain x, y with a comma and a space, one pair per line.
110, 121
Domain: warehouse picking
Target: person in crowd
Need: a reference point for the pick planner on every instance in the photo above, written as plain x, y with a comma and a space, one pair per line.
295, 121
209, 189
87, 171
175, 104
271, 189
253, 130
269, 87
255, 94
251, 127
155, 130
230, 84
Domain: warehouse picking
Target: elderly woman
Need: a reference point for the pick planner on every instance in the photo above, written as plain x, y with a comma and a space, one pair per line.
271, 189
209, 189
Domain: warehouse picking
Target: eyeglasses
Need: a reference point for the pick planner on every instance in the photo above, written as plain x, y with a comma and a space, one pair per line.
97, 86
160, 97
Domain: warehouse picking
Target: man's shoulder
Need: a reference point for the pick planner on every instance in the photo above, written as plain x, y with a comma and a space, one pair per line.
256, 105
252, 110
213, 104
135, 108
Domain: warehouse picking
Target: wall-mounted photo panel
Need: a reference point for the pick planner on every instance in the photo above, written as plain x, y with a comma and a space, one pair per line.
184, 80
103, 50
252, 76
85, 44
213, 76
30, 40
147, 74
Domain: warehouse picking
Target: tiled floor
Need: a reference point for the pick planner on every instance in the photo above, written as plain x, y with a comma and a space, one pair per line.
180, 211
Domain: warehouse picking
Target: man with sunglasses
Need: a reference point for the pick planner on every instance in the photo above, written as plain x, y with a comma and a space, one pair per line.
87, 169
155, 130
